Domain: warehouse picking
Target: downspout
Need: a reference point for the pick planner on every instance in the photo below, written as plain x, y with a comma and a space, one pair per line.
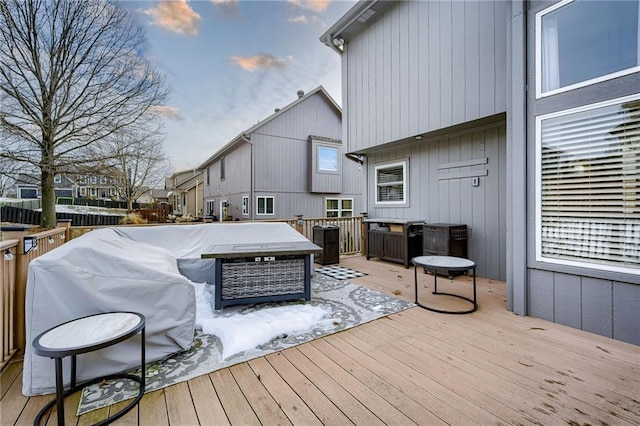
196, 212
251, 171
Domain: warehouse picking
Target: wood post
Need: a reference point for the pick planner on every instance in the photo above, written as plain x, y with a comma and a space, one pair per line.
299, 224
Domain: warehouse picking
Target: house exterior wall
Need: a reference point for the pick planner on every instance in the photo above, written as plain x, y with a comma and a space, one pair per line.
439, 191
282, 155
596, 300
236, 182
422, 66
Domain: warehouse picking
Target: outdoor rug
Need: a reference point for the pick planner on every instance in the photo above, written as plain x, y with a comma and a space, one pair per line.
339, 272
349, 304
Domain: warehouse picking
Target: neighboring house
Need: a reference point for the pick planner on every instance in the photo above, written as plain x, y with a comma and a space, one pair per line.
519, 120
292, 162
154, 196
76, 186
28, 186
185, 193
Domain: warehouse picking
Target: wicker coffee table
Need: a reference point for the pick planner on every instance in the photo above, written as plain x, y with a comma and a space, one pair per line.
257, 273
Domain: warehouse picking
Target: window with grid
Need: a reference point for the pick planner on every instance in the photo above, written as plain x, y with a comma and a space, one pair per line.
588, 188
339, 207
391, 183
265, 205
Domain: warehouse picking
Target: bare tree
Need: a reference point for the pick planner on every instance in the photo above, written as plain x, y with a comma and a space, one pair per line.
139, 164
71, 75
8, 172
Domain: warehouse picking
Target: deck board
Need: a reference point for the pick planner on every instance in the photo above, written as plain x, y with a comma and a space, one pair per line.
413, 367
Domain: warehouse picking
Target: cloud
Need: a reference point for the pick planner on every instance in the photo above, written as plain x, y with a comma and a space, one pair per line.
299, 19
255, 62
176, 16
169, 112
228, 7
318, 6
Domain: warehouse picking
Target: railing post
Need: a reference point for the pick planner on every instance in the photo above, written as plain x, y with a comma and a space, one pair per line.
18, 233
299, 224
65, 223
363, 234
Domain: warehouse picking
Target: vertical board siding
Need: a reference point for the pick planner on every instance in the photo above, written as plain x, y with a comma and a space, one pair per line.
455, 200
604, 307
422, 66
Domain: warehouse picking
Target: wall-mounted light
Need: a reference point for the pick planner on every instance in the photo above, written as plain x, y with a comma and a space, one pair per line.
8, 255
62, 236
50, 239
338, 41
29, 243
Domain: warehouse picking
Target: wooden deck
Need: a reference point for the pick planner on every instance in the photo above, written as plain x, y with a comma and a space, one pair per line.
415, 367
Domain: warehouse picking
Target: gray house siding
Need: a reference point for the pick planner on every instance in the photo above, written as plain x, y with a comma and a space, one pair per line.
599, 301
276, 161
423, 66
441, 191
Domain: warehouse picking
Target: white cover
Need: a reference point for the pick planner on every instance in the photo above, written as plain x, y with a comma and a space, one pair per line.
139, 269
102, 272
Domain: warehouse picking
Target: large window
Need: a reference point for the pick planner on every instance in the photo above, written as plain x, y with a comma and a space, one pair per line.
581, 42
339, 207
265, 205
588, 186
327, 159
391, 183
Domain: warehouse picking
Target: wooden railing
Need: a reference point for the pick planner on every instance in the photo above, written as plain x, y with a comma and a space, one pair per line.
15, 263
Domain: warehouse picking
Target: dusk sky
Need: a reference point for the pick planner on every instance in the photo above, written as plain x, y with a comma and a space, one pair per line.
230, 63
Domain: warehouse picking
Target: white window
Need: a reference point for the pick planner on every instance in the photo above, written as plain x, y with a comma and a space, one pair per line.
245, 205
94, 180
92, 192
581, 42
83, 191
339, 207
211, 207
265, 205
588, 186
57, 179
327, 159
391, 183
103, 179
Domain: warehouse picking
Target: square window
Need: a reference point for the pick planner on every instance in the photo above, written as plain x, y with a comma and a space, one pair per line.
327, 159
265, 206
391, 183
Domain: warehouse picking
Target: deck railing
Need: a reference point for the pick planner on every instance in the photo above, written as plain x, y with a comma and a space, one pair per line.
15, 262
14, 267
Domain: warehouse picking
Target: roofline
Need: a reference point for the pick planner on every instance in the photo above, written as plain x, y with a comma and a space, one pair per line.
348, 20
246, 135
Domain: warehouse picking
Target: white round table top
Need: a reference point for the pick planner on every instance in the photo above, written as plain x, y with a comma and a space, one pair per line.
89, 331
448, 262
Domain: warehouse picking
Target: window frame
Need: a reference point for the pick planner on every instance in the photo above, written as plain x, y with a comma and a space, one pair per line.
245, 205
405, 185
340, 209
334, 149
222, 171
538, 59
538, 255
273, 205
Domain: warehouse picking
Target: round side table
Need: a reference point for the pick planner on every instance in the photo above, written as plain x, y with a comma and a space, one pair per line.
450, 263
88, 334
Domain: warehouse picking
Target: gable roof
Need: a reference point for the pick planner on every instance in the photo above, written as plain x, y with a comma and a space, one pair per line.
246, 135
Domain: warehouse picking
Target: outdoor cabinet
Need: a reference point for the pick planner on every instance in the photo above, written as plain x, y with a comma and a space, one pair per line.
395, 240
327, 237
445, 239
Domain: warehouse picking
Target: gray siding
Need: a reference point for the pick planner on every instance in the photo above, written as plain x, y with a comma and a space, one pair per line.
440, 191
289, 204
422, 66
604, 307
237, 174
602, 302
